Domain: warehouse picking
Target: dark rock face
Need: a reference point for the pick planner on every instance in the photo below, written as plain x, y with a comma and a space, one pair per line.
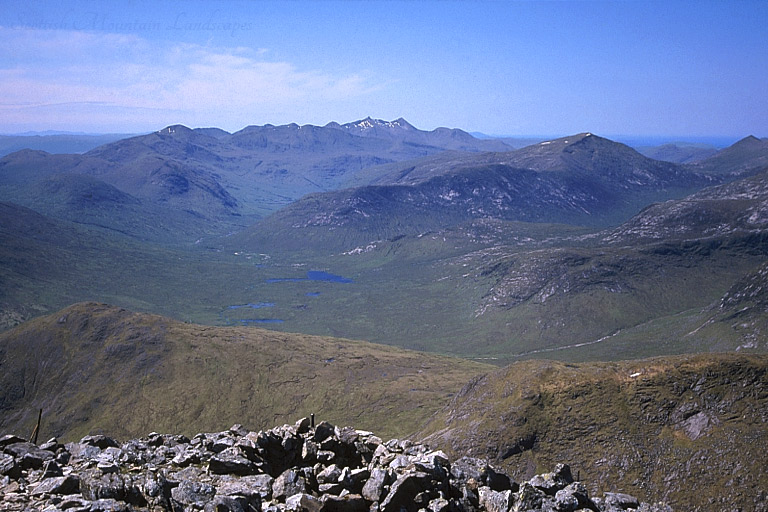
289, 468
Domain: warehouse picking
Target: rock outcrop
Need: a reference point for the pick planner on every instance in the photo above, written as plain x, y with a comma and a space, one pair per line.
302, 467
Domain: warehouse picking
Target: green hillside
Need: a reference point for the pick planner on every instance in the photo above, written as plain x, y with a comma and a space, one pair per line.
485, 261
689, 430
94, 368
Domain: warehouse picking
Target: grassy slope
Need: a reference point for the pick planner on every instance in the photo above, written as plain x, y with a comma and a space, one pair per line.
97, 368
686, 429
496, 289
435, 292
512, 302
48, 264
608, 294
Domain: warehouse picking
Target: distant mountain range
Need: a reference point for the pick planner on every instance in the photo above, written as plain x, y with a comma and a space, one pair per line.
579, 247
581, 180
207, 180
213, 175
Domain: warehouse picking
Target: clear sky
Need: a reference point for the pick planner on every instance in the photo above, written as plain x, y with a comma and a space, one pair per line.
671, 68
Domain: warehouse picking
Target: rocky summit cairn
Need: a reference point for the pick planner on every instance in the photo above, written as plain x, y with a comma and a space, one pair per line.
289, 468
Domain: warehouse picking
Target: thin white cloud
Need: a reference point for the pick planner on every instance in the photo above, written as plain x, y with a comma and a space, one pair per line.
142, 79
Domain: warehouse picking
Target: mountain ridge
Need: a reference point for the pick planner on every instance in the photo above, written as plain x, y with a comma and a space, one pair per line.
65, 363
667, 428
230, 180
744, 157
578, 180
227, 179
491, 253
512, 288
661, 427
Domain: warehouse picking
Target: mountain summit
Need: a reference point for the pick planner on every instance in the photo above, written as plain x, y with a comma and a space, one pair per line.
368, 123
747, 156
214, 180
404, 133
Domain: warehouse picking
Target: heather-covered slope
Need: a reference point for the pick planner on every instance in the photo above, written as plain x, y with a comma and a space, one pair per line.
689, 430
94, 368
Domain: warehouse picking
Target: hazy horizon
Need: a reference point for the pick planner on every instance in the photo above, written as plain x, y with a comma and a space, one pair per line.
638, 68
631, 140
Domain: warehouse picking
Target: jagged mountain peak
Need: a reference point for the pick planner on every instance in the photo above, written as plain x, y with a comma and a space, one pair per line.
402, 123
370, 123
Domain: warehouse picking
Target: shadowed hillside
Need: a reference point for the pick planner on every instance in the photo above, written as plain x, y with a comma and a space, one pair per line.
745, 157
579, 180
205, 180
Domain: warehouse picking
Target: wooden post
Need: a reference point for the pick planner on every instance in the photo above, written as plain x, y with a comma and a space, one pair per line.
33, 437
312, 420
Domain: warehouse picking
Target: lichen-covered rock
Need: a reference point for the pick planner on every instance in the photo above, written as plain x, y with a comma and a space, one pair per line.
97, 485
9, 466
251, 487
28, 455
193, 494
100, 441
346, 503
494, 501
289, 468
552, 482
58, 485
231, 461
289, 482
403, 492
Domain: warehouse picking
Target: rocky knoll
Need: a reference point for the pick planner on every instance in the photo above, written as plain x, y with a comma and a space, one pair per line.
289, 468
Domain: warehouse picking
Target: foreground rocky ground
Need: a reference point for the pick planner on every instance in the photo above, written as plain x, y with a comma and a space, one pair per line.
289, 468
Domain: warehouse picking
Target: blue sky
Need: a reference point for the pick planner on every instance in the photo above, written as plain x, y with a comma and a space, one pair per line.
674, 68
